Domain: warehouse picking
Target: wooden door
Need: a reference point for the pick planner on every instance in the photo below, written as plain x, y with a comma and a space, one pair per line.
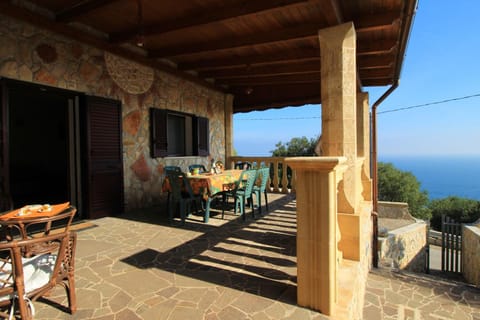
103, 179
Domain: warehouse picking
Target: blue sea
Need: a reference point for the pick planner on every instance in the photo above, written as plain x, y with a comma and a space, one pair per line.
442, 176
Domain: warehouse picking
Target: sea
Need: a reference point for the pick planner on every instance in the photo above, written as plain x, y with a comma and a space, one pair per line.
442, 176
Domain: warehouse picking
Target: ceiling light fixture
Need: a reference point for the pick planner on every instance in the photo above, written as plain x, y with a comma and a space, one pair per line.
140, 38
249, 89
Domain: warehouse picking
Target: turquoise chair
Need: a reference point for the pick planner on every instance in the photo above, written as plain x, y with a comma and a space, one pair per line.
242, 192
197, 166
167, 169
181, 193
243, 165
263, 175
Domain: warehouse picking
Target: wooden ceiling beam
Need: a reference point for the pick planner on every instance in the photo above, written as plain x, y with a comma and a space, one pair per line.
377, 21
271, 80
286, 34
334, 7
366, 61
376, 73
376, 48
281, 35
202, 18
304, 54
81, 8
259, 71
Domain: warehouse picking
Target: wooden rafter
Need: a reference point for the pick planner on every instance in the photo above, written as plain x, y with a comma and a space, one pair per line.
202, 18
376, 22
286, 34
384, 47
250, 72
80, 8
272, 80
303, 54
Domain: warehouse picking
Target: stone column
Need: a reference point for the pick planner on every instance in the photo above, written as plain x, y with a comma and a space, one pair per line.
317, 231
339, 101
363, 143
228, 109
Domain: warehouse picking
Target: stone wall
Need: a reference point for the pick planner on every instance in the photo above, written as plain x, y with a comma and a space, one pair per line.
470, 256
394, 210
30, 54
405, 247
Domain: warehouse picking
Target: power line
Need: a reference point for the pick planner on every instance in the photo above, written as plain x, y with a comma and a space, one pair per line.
430, 103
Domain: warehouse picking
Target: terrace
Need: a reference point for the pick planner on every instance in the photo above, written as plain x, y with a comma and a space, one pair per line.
137, 266
129, 87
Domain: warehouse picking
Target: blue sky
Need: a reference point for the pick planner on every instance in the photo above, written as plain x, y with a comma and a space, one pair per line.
442, 62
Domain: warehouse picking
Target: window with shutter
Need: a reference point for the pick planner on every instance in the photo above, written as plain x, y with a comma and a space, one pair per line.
158, 130
203, 136
178, 134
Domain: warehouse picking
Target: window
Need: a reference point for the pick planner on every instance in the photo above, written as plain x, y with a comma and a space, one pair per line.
178, 134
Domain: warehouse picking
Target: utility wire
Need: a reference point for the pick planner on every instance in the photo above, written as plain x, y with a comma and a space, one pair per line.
386, 111
430, 103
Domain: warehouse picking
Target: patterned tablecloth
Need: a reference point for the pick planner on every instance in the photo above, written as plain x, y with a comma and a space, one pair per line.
209, 184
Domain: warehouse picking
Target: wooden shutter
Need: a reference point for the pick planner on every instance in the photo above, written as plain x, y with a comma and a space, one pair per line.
203, 136
5, 199
158, 133
104, 185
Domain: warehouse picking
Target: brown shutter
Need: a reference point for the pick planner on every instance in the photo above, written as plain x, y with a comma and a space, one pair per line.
5, 198
158, 133
104, 187
203, 136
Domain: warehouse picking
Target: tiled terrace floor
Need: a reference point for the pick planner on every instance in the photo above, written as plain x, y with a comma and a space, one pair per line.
139, 267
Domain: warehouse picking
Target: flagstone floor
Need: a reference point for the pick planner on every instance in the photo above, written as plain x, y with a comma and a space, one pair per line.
137, 266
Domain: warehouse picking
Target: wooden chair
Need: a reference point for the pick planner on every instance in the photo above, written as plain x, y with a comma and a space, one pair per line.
242, 192
24, 279
182, 193
262, 174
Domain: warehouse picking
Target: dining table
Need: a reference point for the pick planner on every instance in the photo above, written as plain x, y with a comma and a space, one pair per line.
209, 185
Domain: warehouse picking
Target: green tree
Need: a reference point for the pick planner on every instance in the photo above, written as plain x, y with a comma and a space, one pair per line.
402, 186
460, 209
296, 147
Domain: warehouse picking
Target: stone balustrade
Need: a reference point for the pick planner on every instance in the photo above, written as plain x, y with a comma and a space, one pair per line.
281, 181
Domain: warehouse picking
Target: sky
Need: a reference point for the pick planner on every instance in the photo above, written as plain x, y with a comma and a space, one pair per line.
442, 62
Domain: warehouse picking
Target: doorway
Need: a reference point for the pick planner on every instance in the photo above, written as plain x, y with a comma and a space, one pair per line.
41, 149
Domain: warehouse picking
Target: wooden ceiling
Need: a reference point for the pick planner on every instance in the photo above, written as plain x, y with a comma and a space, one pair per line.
265, 52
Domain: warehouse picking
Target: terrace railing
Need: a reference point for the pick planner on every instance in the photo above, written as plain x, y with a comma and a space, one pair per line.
282, 177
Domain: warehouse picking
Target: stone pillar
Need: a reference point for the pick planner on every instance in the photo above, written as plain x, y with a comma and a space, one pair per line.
363, 143
317, 230
339, 101
228, 109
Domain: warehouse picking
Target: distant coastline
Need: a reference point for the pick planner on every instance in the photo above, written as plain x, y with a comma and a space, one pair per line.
442, 176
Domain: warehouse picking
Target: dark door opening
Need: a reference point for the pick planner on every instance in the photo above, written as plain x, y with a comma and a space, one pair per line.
57, 146
39, 161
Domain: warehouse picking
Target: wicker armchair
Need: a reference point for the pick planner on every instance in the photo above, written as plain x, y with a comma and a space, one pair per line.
24, 279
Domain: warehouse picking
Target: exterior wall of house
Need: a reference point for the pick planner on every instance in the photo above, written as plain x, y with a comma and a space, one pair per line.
30, 54
470, 256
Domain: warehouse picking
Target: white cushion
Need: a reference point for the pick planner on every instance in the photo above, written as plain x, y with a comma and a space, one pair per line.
36, 271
